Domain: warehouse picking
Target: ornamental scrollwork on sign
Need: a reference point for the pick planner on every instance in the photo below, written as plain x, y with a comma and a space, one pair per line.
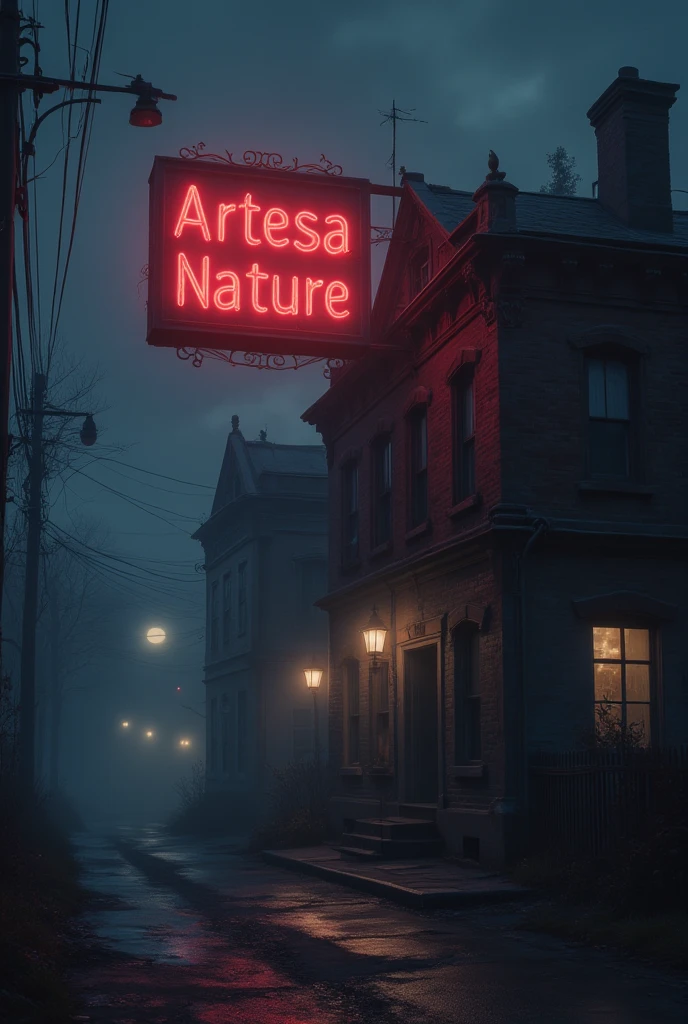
257, 360
263, 159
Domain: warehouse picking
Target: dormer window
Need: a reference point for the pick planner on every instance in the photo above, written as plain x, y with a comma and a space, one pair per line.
420, 271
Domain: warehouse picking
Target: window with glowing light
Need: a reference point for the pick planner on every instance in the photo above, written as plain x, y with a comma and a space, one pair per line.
622, 666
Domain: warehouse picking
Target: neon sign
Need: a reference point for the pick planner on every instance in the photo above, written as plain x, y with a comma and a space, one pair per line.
275, 261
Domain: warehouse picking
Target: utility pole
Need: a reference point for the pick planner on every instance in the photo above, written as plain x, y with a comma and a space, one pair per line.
27, 699
55, 692
9, 102
34, 514
145, 114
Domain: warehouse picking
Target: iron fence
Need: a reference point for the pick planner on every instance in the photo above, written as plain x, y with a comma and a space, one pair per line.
587, 803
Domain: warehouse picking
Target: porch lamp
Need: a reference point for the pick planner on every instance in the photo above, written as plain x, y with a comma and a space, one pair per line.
313, 677
313, 680
374, 636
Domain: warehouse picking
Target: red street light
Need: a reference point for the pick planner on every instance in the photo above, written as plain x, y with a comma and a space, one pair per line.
145, 114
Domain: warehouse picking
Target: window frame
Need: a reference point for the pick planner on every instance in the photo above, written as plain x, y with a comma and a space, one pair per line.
242, 599
463, 381
418, 469
349, 475
622, 623
226, 608
214, 617
467, 694
382, 504
608, 345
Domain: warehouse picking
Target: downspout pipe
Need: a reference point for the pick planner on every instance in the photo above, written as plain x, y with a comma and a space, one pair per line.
539, 527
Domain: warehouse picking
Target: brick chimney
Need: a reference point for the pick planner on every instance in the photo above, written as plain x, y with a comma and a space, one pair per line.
631, 122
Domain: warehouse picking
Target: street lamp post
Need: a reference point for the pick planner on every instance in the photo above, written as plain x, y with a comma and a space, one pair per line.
313, 679
374, 636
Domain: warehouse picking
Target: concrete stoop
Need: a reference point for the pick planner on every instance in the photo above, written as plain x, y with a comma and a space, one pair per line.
392, 838
423, 883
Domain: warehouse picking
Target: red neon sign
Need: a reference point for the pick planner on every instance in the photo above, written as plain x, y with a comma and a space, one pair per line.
275, 261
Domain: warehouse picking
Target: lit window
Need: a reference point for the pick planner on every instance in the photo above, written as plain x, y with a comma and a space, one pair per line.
418, 431
350, 512
382, 491
609, 411
622, 668
464, 435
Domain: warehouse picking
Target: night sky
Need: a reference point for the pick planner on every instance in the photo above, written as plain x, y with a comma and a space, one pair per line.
301, 79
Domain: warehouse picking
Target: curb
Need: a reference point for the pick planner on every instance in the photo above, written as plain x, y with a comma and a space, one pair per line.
415, 898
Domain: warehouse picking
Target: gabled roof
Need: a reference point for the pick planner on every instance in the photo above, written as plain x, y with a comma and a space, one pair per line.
247, 465
542, 214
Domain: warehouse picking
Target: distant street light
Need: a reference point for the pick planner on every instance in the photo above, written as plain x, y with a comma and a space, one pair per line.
149, 734
185, 743
125, 725
156, 635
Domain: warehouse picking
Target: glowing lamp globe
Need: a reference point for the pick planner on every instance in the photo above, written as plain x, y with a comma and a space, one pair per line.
374, 635
156, 635
145, 113
313, 677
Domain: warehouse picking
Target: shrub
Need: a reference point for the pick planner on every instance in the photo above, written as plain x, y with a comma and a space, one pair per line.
298, 807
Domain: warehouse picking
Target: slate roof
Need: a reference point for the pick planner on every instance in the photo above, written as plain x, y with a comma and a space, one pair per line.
542, 214
290, 459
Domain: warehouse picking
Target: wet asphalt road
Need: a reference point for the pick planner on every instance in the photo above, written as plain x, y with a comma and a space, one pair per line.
189, 933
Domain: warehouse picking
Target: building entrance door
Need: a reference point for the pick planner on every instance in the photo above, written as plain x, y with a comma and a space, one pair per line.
420, 730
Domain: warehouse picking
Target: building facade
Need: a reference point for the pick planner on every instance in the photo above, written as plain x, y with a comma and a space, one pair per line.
265, 547
507, 487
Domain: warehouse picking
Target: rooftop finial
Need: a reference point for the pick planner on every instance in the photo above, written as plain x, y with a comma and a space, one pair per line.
493, 164
235, 424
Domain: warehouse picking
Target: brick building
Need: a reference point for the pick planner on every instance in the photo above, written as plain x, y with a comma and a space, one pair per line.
265, 547
508, 487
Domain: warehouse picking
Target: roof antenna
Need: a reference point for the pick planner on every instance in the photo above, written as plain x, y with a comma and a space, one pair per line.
394, 115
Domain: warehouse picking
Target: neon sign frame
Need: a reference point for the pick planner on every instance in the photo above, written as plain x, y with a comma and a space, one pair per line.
201, 294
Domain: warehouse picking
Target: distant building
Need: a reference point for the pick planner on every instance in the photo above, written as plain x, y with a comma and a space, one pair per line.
508, 487
265, 547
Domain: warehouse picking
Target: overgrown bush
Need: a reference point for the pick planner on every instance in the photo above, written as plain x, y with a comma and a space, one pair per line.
298, 807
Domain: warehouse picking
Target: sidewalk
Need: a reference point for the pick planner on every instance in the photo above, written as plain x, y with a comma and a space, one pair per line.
426, 883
